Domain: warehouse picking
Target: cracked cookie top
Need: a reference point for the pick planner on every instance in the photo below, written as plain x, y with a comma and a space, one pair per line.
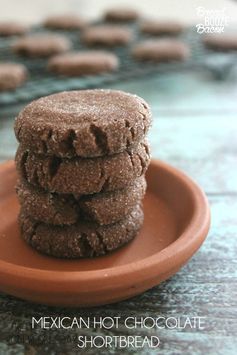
86, 123
65, 209
80, 175
82, 239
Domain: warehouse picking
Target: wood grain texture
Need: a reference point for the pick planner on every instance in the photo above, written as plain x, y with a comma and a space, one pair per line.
195, 130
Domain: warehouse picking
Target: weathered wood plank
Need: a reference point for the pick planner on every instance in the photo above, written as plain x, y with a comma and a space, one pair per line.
194, 146
184, 93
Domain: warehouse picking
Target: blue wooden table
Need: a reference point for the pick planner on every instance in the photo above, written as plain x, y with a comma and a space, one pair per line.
194, 129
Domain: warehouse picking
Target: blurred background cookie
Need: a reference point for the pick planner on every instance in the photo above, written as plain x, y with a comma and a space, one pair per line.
83, 63
12, 28
12, 75
221, 42
121, 14
41, 45
162, 50
106, 35
161, 27
65, 22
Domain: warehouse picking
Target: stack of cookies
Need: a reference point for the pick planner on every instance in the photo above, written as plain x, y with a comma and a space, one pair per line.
81, 164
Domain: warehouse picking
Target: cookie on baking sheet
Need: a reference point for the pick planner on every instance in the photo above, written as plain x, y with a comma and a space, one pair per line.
106, 35
81, 239
85, 123
162, 50
12, 75
221, 42
83, 63
10, 28
103, 208
65, 22
41, 45
80, 175
121, 14
161, 27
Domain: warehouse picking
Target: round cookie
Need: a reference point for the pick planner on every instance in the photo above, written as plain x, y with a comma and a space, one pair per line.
80, 175
83, 63
85, 123
162, 50
103, 208
221, 42
121, 15
41, 45
81, 239
105, 35
65, 22
12, 75
12, 29
157, 27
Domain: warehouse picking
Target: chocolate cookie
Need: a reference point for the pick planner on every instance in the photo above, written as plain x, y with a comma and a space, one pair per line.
12, 75
83, 63
81, 239
12, 28
41, 45
221, 42
105, 35
80, 175
162, 50
121, 15
103, 208
65, 22
159, 27
86, 123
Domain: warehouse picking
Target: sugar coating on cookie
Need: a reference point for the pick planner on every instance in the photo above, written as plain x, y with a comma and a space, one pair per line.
106, 35
83, 63
65, 22
161, 50
221, 42
12, 75
86, 123
81, 239
80, 175
160, 27
41, 45
10, 28
121, 14
102, 208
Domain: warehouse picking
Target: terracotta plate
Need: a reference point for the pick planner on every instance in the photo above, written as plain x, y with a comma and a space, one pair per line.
176, 223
